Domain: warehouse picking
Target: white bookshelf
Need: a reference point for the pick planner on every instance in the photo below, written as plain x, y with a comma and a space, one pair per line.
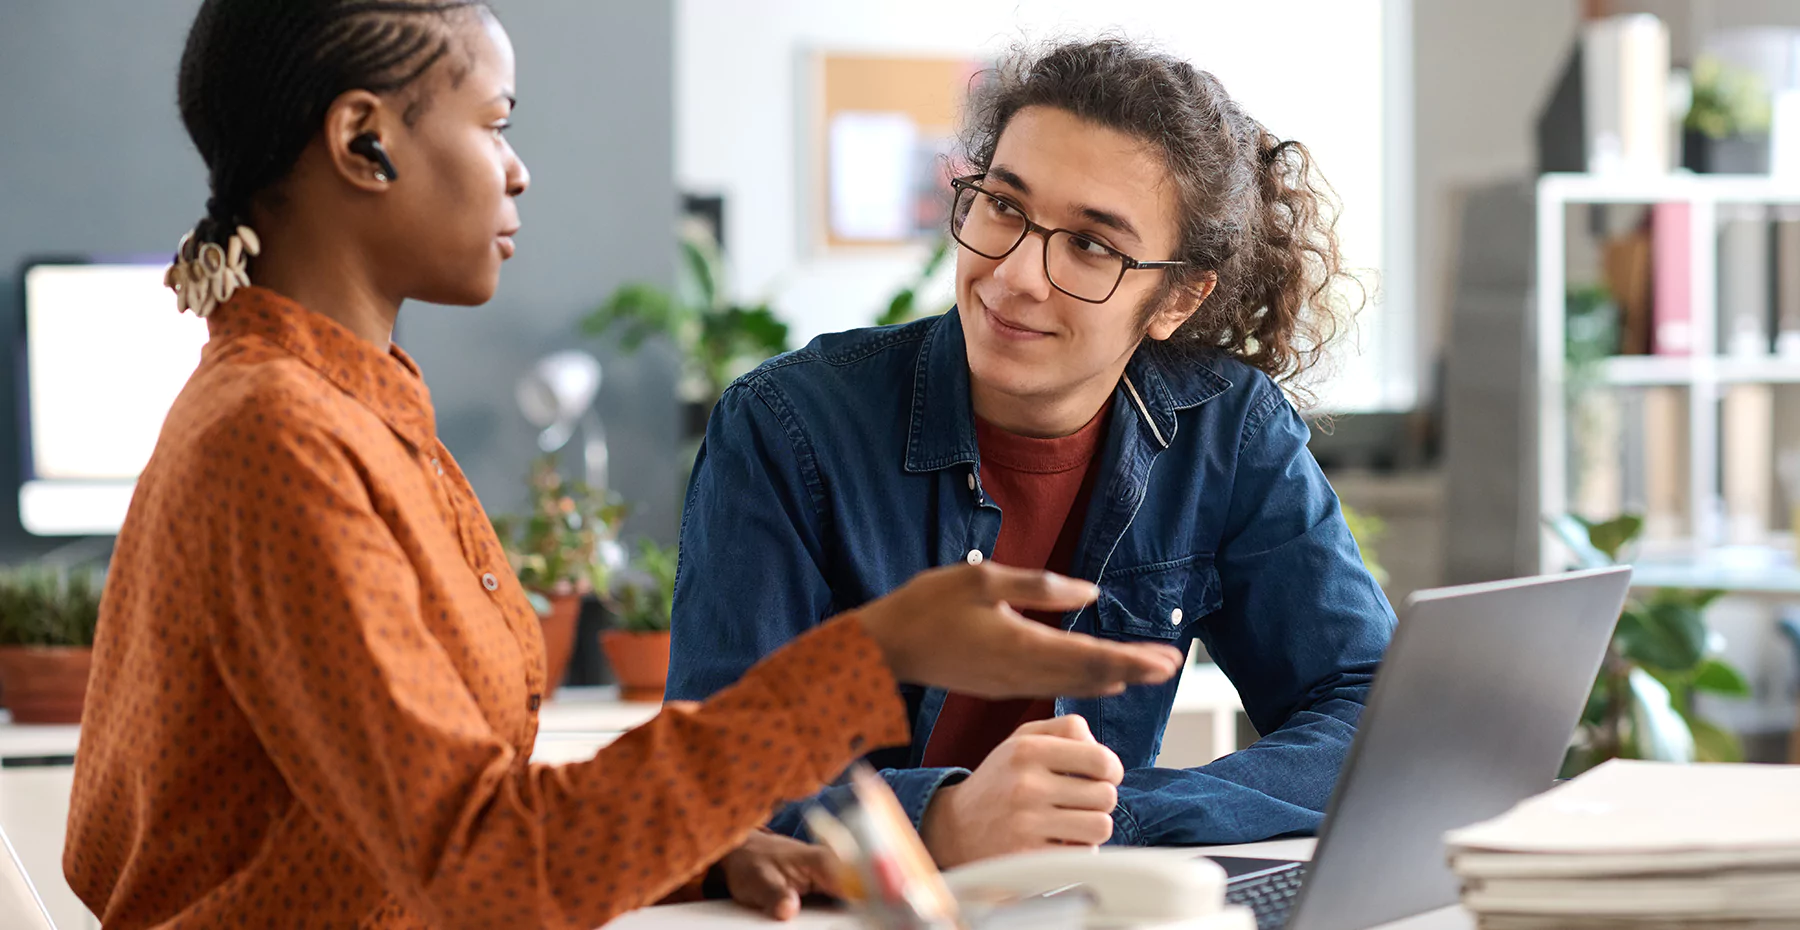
1703, 375
1674, 371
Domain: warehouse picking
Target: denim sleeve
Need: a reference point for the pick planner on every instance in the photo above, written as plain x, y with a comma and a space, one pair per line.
752, 573
1301, 632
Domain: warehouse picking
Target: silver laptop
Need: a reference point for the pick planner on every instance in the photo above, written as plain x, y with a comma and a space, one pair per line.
1471, 713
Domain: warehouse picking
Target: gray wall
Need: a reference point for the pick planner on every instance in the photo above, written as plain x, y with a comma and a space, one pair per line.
93, 158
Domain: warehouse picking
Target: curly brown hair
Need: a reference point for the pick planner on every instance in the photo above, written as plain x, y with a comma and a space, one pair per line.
1254, 209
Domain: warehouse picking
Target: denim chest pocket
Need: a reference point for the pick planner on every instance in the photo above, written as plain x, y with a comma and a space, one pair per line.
1161, 601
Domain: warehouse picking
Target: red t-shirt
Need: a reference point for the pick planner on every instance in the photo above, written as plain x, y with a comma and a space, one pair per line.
1042, 487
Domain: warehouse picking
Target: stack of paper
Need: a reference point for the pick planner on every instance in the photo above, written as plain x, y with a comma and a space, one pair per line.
1641, 844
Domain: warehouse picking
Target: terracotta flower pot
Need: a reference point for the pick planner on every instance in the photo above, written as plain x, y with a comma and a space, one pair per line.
559, 636
45, 684
641, 660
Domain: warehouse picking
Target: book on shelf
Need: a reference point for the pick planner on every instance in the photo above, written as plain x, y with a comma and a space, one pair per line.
1627, 268
1747, 461
1599, 478
1745, 286
1633, 489
1625, 94
1787, 281
1665, 463
1672, 312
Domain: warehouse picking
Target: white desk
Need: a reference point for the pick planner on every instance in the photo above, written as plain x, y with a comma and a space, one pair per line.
572, 726
723, 915
1202, 724
34, 799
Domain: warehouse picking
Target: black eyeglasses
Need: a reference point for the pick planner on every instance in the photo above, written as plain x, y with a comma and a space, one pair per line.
993, 226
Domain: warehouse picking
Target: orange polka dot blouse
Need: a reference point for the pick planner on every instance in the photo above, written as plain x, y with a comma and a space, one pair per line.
316, 683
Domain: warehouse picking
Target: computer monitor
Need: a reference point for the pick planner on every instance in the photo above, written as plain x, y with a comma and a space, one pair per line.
103, 355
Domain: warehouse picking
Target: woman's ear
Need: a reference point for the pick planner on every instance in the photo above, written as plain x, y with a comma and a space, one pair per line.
352, 114
1181, 304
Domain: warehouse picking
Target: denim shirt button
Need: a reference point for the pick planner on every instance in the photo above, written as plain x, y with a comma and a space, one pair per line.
971, 481
974, 556
1175, 617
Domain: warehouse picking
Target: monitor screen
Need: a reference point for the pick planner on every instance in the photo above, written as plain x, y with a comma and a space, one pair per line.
105, 355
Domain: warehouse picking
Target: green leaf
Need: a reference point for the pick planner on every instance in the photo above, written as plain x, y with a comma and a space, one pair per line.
763, 330
899, 309
1659, 732
1699, 600
1665, 633
1573, 532
939, 252
1578, 759
1681, 693
1612, 536
640, 310
1714, 744
1595, 709
41, 605
701, 264
1715, 676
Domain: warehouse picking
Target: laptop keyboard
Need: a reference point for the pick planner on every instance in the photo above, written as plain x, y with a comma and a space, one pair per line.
1269, 896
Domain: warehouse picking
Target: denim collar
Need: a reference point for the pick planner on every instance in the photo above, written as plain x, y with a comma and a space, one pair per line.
1158, 382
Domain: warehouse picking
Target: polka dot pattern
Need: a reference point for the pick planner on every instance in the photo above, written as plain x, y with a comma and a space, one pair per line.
308, 710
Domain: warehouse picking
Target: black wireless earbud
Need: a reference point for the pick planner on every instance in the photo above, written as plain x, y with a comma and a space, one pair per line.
368, 145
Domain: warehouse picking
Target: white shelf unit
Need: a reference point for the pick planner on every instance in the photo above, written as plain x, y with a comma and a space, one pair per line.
1703, 374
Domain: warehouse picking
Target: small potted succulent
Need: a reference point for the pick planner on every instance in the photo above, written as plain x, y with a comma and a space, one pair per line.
1726, 130
643, 599
564, 549
47, 621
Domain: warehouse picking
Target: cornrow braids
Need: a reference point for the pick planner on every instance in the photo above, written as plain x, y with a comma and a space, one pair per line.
257, 77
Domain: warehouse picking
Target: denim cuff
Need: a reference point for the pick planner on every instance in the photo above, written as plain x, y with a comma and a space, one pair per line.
1126, 831
916, 787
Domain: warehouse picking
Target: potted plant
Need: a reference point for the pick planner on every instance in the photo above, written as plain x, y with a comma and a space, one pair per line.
565, 548
47, 620
643, 600
1726, 130
717, 339
1367, 529
904, 306
1661, 657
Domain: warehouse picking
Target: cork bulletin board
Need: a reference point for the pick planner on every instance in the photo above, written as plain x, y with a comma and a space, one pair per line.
882, 127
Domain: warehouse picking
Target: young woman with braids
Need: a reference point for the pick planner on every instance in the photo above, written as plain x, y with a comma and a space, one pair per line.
316, 684
1142, 268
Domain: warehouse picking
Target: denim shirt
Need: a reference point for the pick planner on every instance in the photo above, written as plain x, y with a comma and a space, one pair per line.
833, 474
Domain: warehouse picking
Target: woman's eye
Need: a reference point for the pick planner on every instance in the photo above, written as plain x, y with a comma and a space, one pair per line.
1001, 207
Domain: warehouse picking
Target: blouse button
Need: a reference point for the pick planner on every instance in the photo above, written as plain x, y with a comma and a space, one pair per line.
974, 556
534, 702
437, 466
489, 582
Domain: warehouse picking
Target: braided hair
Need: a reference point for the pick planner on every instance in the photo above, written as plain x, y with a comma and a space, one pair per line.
257, 77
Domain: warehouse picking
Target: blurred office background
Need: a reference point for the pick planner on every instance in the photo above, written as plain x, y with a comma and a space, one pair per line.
1580, 221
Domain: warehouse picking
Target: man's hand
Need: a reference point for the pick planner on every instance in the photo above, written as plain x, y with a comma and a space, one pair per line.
771, 872
957, 628
1049, 784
